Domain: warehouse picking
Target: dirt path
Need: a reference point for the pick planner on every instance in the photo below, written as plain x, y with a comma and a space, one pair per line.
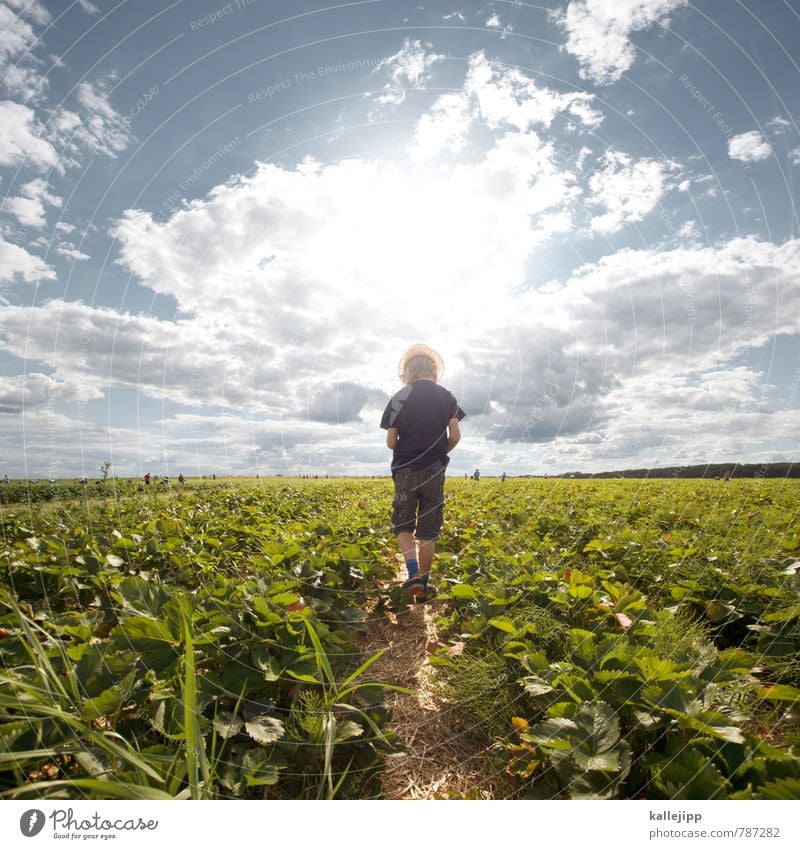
443, 759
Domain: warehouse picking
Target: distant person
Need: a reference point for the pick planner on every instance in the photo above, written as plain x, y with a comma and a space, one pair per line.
213, 477
503, 477
727, 475
476, 475
421, 424
147, 479
181, 478
5, 478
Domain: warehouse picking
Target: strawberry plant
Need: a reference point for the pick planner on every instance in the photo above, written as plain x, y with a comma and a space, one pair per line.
611, 639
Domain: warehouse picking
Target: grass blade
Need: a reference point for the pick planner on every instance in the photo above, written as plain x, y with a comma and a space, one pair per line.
323, 664
103, 789
196, 761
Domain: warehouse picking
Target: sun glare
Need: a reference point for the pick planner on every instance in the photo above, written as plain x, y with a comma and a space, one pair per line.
423, 244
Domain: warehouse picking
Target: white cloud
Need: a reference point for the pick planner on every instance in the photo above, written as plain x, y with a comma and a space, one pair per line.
274, 239
193, 362
32, 9
35, 390
795, 155
505, 99
16, 264
29, 212
628, 359
779, 124
670, 315
29, 207
95, 125
89, 7
693, 306
410, 67
98, 127
24, 82
20, 140
494, 22
506, 96
323, 260
628, 188
599, 32
634, 349
71, 252
444, 127
749, 147
18, 71
18, 35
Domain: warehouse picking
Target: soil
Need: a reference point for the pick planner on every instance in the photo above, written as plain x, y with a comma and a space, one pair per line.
443, 758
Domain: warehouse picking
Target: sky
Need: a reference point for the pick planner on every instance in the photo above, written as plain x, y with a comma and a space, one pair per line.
223, 223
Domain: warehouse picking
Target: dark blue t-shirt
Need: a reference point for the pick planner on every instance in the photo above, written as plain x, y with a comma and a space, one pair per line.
421, 412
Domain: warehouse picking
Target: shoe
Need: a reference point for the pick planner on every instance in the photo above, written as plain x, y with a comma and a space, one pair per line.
414, 587
424, 598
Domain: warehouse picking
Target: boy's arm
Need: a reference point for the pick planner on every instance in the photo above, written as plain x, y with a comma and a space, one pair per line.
391, 437
453, 434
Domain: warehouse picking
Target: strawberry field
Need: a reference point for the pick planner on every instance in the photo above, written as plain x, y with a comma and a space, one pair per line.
603, 639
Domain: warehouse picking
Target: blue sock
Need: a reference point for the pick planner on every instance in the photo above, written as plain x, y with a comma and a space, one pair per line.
413, 567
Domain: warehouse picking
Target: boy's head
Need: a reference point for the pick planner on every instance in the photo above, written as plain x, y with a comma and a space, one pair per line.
420, 363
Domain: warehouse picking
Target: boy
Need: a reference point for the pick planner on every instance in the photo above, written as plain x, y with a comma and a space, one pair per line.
421, 421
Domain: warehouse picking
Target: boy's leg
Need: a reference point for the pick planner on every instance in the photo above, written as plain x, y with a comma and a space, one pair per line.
431, 511
404, 518
427, 548
405, 540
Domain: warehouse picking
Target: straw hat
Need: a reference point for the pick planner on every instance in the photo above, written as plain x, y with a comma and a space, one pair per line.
421, 350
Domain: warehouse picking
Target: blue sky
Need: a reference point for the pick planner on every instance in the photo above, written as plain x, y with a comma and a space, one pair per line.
223, 223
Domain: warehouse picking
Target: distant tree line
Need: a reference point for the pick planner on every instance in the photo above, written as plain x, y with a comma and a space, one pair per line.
710, 470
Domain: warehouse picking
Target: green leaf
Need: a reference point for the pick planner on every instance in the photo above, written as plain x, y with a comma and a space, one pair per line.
780, 693
142, 597
227, 724
285, 599
689, 776
305, 677
267, 662
107, 703
144, 628
502, 623
555, 732
782, 788
265, 729
536, 686
347, 730
715, 724
648, 721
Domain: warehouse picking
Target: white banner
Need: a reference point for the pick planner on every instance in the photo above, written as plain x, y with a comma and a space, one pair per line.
379, 824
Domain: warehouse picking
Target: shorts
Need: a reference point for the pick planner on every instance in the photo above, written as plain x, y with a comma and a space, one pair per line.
419, 501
